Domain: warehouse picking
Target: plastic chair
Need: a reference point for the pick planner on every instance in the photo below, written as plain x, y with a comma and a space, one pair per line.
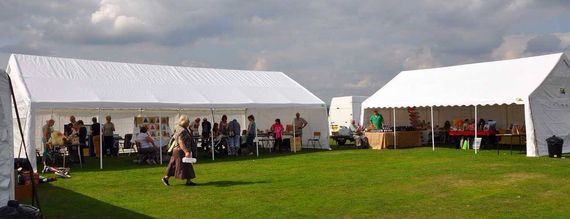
315, 139
127, 144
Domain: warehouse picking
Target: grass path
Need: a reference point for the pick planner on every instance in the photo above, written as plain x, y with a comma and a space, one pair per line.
415, 183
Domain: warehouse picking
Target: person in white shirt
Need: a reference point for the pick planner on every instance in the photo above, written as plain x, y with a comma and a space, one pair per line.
357, 134
194, 127
147, 148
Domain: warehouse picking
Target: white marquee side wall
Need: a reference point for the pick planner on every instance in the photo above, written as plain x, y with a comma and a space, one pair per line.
550, 105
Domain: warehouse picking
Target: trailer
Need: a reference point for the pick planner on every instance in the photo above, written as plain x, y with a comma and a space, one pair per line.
341, 113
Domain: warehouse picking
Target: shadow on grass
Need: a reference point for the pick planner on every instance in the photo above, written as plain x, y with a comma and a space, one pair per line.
58, 202
109, 164
126, 162
228, 183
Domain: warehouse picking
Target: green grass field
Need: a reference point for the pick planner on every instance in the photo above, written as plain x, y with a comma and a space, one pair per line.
403, 183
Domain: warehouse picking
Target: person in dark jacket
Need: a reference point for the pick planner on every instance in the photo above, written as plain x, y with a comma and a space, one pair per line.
68, 129
95, 139
234, 137
206, 132
251, 133
81, 133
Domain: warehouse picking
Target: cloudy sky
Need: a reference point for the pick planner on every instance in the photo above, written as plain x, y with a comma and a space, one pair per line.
333, 47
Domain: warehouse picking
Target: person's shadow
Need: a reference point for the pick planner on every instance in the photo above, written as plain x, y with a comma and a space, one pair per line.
226, 183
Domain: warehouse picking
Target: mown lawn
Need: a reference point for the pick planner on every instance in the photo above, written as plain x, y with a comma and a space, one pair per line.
403, 183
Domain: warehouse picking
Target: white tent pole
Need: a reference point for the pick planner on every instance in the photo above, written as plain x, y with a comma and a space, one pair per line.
212, 133
476, 124
100, 140
394, 116
295, 138
244, 125
432, 131
507, 116
256, 144
160, 136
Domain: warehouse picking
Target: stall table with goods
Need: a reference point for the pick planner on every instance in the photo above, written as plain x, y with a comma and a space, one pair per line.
487, 136
381, 140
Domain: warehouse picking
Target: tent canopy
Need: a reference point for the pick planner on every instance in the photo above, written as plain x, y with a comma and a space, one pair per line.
488, 83
51, 82
50, 87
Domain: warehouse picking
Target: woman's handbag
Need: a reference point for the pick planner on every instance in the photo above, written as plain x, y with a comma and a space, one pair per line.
189, 160
171, 145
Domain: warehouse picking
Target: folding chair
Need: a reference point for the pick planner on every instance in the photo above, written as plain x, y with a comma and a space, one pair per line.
127, 144
315, 139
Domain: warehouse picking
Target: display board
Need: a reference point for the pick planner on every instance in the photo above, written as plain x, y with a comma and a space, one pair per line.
157, 126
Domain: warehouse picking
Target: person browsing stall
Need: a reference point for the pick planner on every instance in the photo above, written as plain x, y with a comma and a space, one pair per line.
234, 138
68, 129
194, 126
108, 140
251, 133
95, 133
82, 135
223, 126
206, 132
277, 130
147, 146
47, 129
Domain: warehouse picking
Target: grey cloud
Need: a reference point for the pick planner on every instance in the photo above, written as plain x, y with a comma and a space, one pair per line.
543, 44
333, 47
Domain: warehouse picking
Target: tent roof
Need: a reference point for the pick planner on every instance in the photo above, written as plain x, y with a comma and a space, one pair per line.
50, 82
487, 83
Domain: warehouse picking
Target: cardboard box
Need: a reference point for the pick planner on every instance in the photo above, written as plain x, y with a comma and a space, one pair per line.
24, 192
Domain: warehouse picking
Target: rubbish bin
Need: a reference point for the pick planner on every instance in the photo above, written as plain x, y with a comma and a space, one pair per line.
17, 210
554, 146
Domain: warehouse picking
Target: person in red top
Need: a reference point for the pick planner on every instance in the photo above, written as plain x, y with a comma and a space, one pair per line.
277, 130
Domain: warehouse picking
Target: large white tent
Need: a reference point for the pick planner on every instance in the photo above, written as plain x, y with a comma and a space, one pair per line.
6, 142
537, 87
50, 87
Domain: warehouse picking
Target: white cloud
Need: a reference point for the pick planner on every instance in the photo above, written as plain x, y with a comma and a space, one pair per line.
260, 64
421, 58
517, 46
512, 47
361, 84
127, 24
108, 11
114, 16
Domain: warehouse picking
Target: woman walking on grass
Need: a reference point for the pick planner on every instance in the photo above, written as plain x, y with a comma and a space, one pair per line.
176, 167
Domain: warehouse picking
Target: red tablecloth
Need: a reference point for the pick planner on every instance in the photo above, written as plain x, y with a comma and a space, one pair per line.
471, 133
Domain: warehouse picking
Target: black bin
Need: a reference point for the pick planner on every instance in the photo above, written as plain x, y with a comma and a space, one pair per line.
555, 146
17, 210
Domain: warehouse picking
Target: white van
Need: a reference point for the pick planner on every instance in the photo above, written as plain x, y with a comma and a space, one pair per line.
341, 112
